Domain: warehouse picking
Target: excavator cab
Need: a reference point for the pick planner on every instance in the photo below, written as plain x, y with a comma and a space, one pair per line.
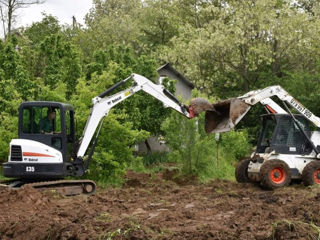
50, 123
279, 133
45, 141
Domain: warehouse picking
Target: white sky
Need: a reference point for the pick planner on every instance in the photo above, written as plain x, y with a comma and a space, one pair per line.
62, 9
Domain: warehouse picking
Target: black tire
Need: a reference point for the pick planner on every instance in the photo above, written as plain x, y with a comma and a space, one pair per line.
275, 174
311, 173
241, 171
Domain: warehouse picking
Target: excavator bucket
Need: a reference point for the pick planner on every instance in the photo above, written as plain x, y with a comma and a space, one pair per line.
228, 113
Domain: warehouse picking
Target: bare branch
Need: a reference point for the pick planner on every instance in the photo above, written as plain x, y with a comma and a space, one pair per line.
4, 2
30, 2
27, 4
11, 7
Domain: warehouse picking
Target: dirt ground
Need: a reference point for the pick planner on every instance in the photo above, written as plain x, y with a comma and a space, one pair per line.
149, 207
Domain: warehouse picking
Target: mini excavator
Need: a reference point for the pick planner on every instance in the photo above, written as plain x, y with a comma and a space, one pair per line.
43, 154
287, 148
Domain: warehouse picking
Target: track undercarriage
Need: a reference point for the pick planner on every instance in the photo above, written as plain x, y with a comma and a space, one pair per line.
64, 187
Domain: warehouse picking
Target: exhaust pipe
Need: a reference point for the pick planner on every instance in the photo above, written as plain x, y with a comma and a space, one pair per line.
226, 115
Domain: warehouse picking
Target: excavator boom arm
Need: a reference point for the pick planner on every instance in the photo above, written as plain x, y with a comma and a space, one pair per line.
103, 103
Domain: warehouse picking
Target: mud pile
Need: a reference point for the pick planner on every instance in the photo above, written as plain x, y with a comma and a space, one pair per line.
199, 105
150, 207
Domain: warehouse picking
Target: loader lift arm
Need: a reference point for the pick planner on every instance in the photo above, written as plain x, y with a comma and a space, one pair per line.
233, 110
103, 103
256, 96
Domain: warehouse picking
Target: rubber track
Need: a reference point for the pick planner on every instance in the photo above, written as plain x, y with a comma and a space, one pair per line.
62, 186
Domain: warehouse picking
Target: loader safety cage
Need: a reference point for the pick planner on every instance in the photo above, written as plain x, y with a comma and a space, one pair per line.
280, 133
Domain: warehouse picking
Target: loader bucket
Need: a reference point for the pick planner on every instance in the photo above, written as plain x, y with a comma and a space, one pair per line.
228, 113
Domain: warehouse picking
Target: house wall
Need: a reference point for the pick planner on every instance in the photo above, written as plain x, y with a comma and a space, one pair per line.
182, 89
155, 145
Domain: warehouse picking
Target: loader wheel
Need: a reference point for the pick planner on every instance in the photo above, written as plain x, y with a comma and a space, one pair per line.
275, 174
311, 173
241, 171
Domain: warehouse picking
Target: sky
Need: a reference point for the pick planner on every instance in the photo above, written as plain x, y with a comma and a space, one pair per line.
62, 9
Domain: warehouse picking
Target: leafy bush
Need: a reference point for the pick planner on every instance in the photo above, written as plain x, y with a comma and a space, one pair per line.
236, 143
200, 153
8, 129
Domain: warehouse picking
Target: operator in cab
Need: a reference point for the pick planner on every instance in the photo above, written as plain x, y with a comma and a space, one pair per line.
46, 123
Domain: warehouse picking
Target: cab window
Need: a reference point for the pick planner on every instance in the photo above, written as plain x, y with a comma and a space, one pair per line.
41, 120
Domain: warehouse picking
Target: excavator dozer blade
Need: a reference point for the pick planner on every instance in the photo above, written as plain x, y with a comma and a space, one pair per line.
228, 113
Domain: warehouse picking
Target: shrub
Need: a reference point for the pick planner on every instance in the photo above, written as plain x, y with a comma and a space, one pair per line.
236, 143
200, 153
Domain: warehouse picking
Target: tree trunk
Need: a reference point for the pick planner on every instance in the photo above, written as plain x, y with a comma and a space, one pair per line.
246, 85
10, 12
149, 151
3, 22
12, 7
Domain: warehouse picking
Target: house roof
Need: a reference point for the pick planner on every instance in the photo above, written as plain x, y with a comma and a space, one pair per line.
168, 67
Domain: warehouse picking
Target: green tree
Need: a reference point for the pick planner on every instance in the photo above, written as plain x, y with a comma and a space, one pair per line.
158, 23
244, 44
38, 31
9, 98
49, 54
13, 69
109, 22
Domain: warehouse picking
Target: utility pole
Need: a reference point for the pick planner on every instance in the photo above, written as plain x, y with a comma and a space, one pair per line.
217, 141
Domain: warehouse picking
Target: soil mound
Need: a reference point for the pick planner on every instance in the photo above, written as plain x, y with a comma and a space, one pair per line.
295, 230
24, 196
134, 179
175, 176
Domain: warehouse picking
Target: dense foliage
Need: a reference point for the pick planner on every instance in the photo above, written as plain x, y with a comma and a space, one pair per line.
201, 154
225, 47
